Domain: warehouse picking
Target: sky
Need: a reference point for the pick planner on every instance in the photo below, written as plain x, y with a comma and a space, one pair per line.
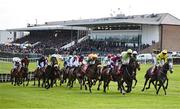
18, 13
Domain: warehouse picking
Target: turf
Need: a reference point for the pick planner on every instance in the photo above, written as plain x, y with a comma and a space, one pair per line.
65, 98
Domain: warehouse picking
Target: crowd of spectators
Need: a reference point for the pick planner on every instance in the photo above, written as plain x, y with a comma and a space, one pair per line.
102, 46
56, 39
44, 40
50, 38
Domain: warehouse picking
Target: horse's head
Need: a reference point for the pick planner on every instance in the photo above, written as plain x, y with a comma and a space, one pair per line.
168, 66
97, 62
133, 63
138, 66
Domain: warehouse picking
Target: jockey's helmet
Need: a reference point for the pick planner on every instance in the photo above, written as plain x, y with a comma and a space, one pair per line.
129, 51
164, 51
134, 53
109, 55
118, 55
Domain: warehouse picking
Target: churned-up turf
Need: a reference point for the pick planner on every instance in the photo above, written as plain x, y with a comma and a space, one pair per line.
61, 97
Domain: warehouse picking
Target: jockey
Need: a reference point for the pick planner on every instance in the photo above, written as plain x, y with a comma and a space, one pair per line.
16, 63
134, 53
25, 62
161, 58
75, 62
81, 59
108, 61
42, 62
125, 58
68, 61
115, 60
92, 58
54, 60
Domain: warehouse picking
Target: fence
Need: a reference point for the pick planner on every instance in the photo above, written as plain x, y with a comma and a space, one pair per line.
10, 59
175, 60
7, 77
10, 55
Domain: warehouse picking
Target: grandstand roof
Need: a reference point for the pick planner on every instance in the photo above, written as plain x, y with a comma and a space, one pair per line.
48, 27
152, 19
147, 19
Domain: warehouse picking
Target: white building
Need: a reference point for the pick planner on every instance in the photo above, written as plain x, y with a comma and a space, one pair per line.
8, 36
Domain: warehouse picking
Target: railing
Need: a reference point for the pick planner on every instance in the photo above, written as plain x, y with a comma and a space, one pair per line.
10, 59
7, 77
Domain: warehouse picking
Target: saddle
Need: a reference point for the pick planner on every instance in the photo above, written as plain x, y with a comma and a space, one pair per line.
118, 70
84, 67
155, 71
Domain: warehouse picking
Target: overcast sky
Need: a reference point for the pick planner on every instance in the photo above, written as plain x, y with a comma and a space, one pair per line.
17, 13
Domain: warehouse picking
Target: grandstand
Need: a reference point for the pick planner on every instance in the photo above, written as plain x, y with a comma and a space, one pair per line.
111, 34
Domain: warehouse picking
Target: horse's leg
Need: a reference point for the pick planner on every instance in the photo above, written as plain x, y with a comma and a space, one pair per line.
80, 82
145, 83
164, 88
85, 86
15, 81
135, 82
11, 79
55, 82
100, 82
104, 86
129, 85
71, 83
161, 84
61, 82
90, 85
39, 82
34, 80
23, 80
44, 81
156, 84
68, 83
167, 80
107, 84
149, 84
52, 82
27, 78
121, 87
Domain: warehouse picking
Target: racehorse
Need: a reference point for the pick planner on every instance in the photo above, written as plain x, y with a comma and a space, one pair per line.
92, 74
24, 72
71, 77
159, 76
128, 74
116, 74
14, 76
52, 72
64, 75
79, 74
111, 74
135, 68
39, 74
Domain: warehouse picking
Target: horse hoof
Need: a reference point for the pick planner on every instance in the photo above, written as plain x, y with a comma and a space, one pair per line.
123, 92
147, 88
142, 90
